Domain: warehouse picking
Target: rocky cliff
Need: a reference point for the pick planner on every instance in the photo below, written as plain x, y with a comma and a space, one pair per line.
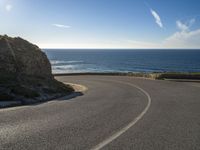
23, 58
25, 73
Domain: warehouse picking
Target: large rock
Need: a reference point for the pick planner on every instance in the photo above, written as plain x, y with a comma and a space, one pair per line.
23, 58
25, 73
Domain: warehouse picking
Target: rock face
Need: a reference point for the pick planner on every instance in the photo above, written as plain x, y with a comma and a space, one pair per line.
25, 73
23, 58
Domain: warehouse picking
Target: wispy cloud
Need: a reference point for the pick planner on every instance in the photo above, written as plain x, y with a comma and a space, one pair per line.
61, 26
189, 39
184, 26
185, 38
181, 26
192, 21
157, 18
8, 7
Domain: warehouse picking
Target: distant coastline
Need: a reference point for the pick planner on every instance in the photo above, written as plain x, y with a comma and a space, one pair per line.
129, 49
156, 76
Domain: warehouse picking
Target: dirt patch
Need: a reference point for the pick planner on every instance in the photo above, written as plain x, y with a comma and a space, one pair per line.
77, 87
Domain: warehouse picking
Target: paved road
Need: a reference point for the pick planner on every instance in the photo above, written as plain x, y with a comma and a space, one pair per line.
115, 113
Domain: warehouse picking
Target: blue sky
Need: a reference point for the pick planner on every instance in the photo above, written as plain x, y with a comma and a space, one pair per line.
103, 23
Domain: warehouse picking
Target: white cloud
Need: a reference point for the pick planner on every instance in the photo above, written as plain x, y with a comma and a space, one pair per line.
61, 26
184, 26
183, 39
192, 21
8, 7
157, 18
181, 26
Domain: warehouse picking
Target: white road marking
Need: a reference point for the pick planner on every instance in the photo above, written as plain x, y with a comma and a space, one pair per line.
131, 124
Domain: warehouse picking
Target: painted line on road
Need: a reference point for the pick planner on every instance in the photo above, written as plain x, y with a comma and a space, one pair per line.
131, 124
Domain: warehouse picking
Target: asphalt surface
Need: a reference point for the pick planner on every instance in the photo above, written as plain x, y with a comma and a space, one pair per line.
114, 113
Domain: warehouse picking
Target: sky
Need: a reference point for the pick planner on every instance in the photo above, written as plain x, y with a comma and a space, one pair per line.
103, 23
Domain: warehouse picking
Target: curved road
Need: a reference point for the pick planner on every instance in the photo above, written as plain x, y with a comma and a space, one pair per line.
115, 113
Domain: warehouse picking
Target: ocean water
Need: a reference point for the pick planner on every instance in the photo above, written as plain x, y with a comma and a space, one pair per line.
77, 61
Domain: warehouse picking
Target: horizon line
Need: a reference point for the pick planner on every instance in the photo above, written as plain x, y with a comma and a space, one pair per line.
122, 48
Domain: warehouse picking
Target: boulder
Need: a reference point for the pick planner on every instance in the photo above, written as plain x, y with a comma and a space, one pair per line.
25, 73
18, 56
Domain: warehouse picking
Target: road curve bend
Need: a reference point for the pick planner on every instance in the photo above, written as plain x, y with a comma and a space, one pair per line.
115, 112
129, 125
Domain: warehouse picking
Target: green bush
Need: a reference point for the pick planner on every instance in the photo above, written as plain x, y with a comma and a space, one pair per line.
191, 76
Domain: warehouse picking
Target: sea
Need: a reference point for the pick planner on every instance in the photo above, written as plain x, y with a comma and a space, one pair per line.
122, 60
